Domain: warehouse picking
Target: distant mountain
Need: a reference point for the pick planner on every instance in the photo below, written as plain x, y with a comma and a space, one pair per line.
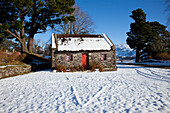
123, 50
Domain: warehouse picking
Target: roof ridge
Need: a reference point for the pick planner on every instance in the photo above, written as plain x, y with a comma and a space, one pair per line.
79, 35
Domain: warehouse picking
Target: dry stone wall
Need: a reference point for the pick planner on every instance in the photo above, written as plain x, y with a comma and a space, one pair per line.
14, 70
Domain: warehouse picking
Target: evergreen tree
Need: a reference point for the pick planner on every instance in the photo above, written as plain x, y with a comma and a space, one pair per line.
139, 33
24, 18
148, 38
158, 41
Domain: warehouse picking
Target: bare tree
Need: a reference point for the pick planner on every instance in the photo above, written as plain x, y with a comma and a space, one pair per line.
47, 48
82, 25
36, 45
2, 44
7, 44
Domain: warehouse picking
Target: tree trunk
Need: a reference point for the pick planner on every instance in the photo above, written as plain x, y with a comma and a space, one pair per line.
68, 30
138, 55
30, 43
23, 48
71, 27
65, 28
22, 35
32, 29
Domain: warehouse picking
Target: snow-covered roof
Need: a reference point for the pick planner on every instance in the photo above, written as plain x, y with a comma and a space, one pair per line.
81, 42
53, 44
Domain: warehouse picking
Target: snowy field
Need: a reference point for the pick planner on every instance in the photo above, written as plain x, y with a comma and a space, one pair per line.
153, 62
130, 89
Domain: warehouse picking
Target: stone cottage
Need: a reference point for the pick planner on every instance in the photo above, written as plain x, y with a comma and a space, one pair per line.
82, 50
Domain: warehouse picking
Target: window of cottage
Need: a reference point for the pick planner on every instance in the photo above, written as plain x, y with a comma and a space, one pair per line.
103, 56
69, 57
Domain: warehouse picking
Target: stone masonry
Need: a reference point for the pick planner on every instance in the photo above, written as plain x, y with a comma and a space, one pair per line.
14, 70
93, 56
79, 55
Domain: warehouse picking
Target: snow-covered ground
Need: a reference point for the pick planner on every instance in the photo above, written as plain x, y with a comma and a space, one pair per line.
130, 89
149, 62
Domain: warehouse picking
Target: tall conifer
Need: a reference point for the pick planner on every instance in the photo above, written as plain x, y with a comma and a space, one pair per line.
24, 18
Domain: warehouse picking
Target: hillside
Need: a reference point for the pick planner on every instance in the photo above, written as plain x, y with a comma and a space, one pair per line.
123, 50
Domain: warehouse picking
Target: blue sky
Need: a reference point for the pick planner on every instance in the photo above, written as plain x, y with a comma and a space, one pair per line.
112, 16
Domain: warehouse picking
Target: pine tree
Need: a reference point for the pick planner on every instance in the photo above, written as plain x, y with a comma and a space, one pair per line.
139, 32
21, 19
159, 39
148, 38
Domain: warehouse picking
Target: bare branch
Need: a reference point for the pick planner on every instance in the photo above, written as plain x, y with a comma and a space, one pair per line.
82, 25
8, 31
16, 32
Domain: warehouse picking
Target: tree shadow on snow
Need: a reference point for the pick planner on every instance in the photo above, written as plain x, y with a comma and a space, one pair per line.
130, 66
155, 77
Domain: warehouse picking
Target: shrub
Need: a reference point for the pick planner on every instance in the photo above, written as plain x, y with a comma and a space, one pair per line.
72, 69
60, 68
93, 68
22, 56
162, 56
79, 68
100, 69
64, 69
9, 58
3, 55
95, 65
13, 57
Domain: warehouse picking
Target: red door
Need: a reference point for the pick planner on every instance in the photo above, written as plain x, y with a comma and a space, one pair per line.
84, 61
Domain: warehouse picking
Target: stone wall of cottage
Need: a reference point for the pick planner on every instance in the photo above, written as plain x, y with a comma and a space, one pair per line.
62, 59
14, 70
108, 64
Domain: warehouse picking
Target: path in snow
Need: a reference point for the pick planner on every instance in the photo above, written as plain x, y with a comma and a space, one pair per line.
130, 89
